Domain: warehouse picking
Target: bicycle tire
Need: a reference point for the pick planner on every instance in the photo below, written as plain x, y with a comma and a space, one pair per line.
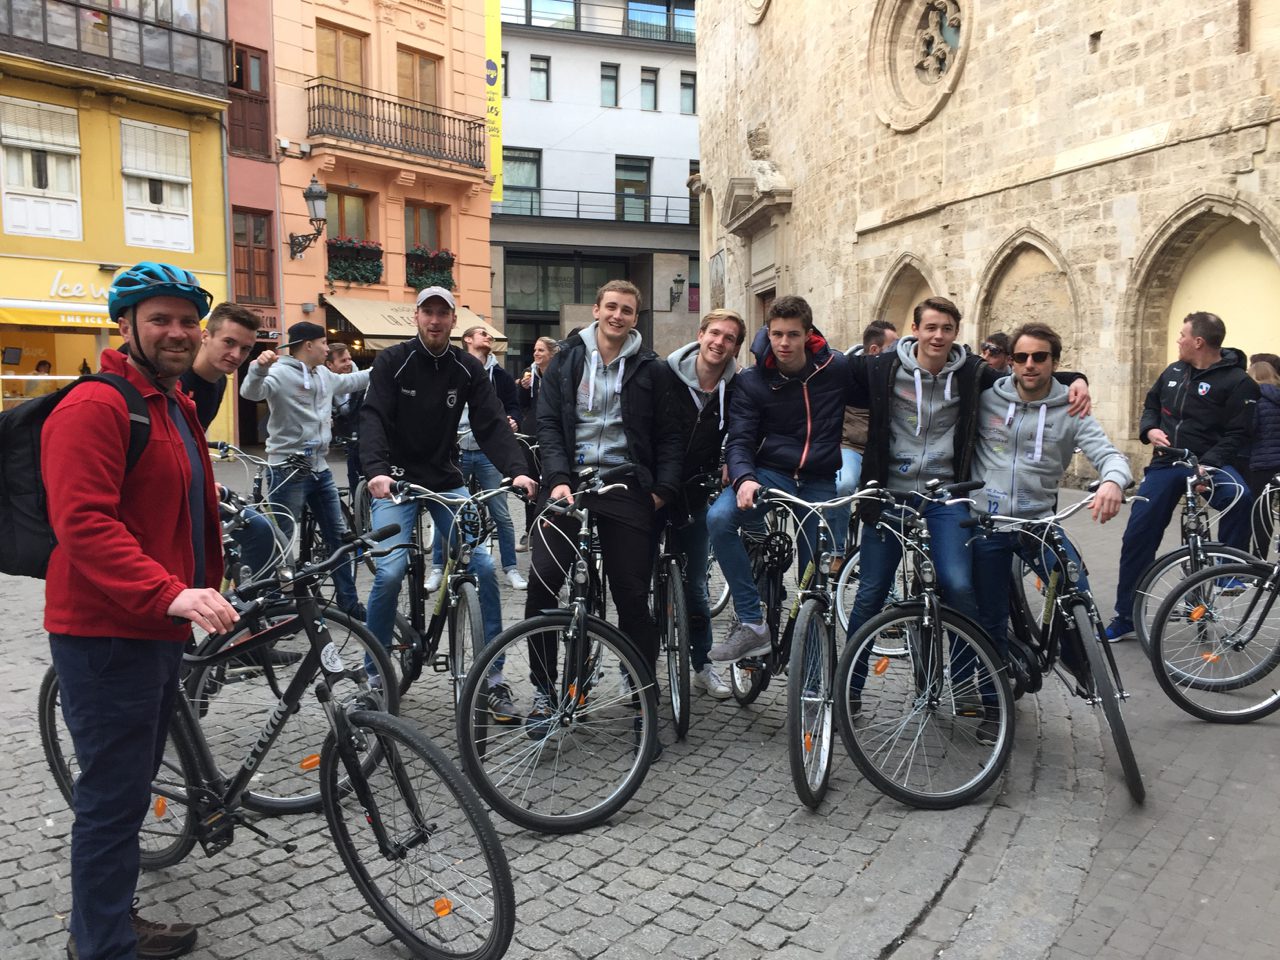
445, 846
233, 698
168, 831
673, 640
1165, 573
362, 508
580, 765
466, 635
1207, 655
749, 677
406, 649
847, 590
912, 719
717, 586
810, 720
1107, 690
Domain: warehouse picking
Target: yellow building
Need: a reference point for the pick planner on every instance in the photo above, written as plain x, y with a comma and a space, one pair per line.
106, 162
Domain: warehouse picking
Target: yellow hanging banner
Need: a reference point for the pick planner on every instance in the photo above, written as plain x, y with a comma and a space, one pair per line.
493, 90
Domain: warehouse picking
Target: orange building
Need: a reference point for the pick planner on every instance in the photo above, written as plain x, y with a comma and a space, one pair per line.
383, 103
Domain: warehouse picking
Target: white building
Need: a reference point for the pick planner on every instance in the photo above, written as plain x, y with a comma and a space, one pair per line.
600, 137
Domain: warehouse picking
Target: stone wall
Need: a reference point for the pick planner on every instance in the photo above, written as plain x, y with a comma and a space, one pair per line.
1091, 144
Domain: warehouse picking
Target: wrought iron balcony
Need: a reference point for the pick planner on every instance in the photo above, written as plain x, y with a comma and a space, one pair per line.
596, 205
354, 113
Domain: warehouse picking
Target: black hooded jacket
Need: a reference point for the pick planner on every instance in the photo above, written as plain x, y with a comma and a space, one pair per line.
1209, 412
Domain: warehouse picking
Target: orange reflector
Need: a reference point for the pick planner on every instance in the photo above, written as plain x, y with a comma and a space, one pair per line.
808, 742
1198, 612
882, 665
442, 907
1210, 657
160, 806
1039, 585
311, 762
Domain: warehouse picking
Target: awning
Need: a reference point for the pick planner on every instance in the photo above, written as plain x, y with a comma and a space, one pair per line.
37, 313
385, 324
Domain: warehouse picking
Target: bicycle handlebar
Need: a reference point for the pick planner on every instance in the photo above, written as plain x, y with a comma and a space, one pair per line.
402, 490
249, 591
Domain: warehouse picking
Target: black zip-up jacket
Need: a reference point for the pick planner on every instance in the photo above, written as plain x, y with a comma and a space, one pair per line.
1209, 412
702, 428
654, 448
409, 420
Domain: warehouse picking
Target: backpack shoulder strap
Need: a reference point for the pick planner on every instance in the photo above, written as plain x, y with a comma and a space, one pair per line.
139, 417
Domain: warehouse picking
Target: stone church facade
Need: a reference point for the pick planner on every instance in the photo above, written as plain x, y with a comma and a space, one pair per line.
1105, 167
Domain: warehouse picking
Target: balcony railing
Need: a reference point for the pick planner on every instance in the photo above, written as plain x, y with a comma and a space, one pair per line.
354, 113
596, 205
677, 25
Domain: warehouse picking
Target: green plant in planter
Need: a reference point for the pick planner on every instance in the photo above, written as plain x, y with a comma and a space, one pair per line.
429, 268
354, 261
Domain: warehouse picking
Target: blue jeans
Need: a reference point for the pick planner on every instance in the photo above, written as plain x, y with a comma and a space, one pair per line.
693, 541
391, 568
992, 563
257, 539
846, 483
117, 698
476, 464
290, 490
724, 519
1164, 485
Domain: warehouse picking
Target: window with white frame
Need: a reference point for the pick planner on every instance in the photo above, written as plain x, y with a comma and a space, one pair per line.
156, 165
40, 176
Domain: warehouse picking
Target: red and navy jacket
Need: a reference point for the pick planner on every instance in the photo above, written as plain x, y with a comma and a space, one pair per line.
788, 424
1209, 412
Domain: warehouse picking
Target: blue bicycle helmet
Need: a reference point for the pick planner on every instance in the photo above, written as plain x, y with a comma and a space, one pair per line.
149, 279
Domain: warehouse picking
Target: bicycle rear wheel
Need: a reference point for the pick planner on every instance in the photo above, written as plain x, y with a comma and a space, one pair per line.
442, 885
1107, 689
717, 586
576, 763
232, 700
168, 829
1217, 642
673, 640
810, 724
932, 728
1164, 576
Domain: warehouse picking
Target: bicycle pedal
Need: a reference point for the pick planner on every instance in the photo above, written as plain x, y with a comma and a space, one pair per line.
440, 663
215, 832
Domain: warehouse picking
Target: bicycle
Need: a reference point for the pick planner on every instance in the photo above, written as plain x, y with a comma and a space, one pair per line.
1216, 643
457, 601
924, 705
579, 762
409, 830
671, 615
1069, 621
1197, 551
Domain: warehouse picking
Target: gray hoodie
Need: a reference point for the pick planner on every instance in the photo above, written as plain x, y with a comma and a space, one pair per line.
926, 409
599, 440
299, 404
684, 364
1024, 448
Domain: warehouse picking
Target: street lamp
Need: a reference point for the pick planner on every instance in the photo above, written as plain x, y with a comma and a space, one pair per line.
316, 197
677, 290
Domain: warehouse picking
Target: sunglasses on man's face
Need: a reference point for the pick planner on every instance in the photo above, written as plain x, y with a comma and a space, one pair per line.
992, 348
1039, 356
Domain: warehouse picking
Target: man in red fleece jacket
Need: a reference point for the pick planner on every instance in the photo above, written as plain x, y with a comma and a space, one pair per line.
138, 560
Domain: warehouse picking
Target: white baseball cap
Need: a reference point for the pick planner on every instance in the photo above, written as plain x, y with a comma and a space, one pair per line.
428, 292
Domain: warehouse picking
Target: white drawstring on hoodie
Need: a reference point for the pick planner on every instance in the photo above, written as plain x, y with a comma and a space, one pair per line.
699, 398
591, 379
1038, 455
946, 395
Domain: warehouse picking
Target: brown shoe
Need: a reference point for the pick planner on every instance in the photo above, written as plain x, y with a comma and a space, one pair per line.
162, 941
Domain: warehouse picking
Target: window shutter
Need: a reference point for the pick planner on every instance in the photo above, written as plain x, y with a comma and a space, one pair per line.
38, 126
155, 152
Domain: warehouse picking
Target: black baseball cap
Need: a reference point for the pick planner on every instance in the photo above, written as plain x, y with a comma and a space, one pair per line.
304, 330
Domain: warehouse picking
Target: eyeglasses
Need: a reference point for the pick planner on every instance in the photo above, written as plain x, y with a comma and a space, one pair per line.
992, 348
1039, 356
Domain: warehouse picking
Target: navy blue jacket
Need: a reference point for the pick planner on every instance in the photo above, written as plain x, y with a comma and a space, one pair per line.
1266, 430
788, 424
1209, 412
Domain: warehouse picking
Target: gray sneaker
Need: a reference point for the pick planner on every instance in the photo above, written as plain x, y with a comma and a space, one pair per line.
744, 640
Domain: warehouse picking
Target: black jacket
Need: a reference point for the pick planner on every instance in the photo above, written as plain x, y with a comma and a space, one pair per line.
655, 449
1209, 412
409, 420
1266, 430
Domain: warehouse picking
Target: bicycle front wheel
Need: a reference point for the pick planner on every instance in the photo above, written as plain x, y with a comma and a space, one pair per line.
1218, 642
810, 724
168, 829
1164, 576
717, 586
438, 878
578, 744
933, 727
233, 699
1107, 690
673, 640
466, 633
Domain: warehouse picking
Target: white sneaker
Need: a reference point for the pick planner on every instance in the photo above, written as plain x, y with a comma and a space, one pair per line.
433, 580
709, 679
517, 580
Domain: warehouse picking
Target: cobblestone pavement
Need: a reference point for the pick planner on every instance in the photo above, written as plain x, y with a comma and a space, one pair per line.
716, 857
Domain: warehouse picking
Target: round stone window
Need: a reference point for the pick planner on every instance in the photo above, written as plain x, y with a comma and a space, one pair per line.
916, 56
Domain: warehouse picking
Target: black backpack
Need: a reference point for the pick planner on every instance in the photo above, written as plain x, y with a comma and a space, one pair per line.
26, 538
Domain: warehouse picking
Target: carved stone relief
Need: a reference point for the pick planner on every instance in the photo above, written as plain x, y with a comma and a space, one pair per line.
915, 58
